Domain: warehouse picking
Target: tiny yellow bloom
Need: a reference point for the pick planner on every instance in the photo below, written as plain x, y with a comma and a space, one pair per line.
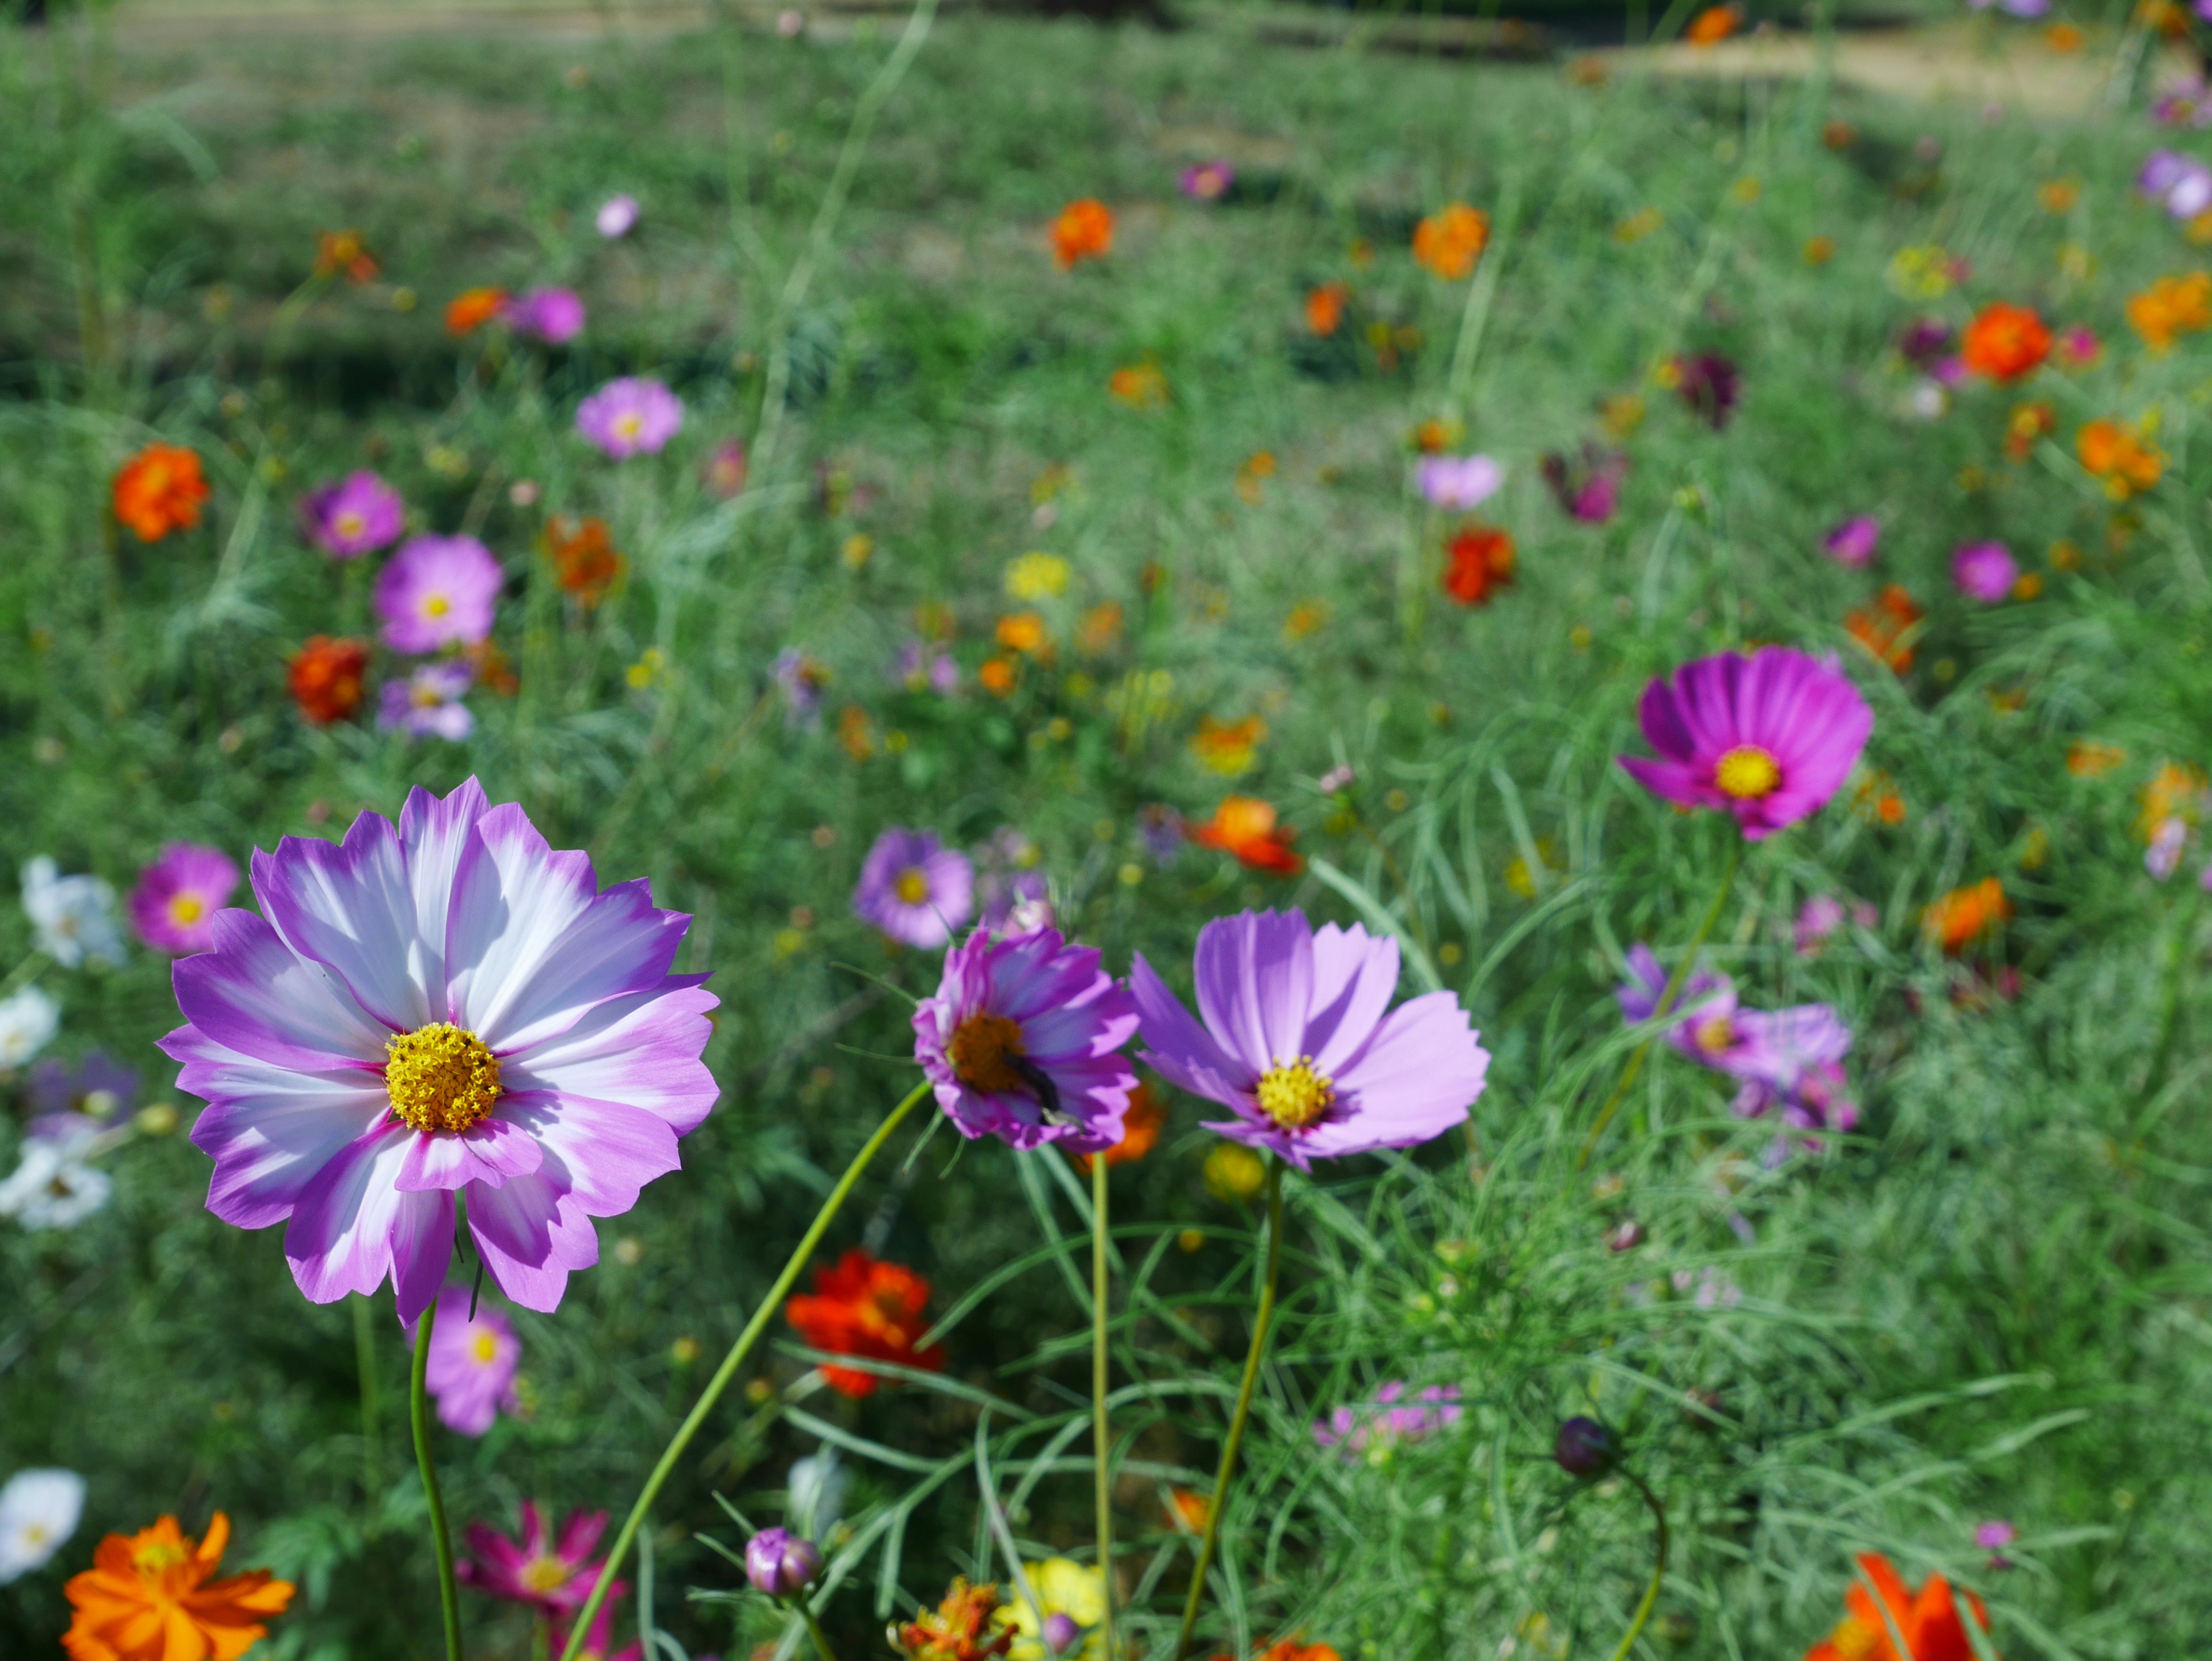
1234, 1172
1035, 577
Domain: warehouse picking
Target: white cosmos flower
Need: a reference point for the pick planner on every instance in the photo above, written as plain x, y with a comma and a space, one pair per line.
28, 1021
75, 915
50, 1190
39, 1511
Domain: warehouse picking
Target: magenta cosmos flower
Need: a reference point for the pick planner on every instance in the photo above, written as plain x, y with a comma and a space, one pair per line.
1023, 1042
630, 416
437, 592
1768, 738
174, 903
357, 515
1853, 542
1985, 571
914, 889
1458, 483
555, 316
1297, 1043
443, 1007
555, 1577
472, 1362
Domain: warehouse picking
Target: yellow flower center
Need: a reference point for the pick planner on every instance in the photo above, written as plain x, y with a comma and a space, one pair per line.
436, 606
629, 426
1716, 1035
1293, 1095
1748, 773
912, 887
485, 1348
1853, 1639
542, 1574
440, 1077
187, 908
159, 1558
979, 1049
349, 525
426, 696
36, 1534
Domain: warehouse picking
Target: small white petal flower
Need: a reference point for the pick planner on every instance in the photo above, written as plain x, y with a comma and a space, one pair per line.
38, 1512
50, 1190
75, 916
28, 1021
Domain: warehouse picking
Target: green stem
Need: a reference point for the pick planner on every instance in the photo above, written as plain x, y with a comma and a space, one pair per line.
2169, 1014
1675, 983
364, 1355
1102, 1428
1227, 1469
814, 1631
24, 973
418, 1401
732, 1362
1658, 1573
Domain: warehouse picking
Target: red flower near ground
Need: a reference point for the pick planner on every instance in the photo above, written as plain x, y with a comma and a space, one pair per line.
868, 1308
344, 251
327, 679
1964, 915
159, 490
1084, 230
1481, 565
2005, 341
1929, 1620
1245, 826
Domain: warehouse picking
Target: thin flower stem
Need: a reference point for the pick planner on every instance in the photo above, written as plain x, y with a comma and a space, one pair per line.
2169, 1017
24, 972
449, 1593
814, 1631
364, 1355
732, 1362
1658, 1572
1675, 983
1102, 1427
1260, 1322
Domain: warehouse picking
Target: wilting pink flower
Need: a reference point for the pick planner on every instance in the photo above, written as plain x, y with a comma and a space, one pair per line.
1768, 738
472, 1362
441, 1007
617, 216
1709, 384
555, 316
1382, 1422
1588, 490
1993, 1537
2077, 347
426, 703
1853, 542
555, 1578
437, 592
1299, 1041
1985, 571
1207, 181
723, 472
914, 889
630, 416
1458, 483
173, 905
1024, 1042
358, 515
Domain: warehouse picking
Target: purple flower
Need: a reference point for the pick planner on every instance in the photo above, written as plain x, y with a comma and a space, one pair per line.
1925, 340
472, 1362
802, 678
73, 1104
442, 1006
1458, 483
1813, 1102
1383, 1422
1023, 1042
1207, 181
2181, 184
1709, 384
427, 704
437, 592
617, 216
1768, 738
554, 1579
630, 416
1993, 1537
1707, 1025
780, 1565
1823, 915
177, 896
1588, 490
2163, 857
1160, 827
914, 889
920, 667
554, 316
1852, 543
1298, 1045
358, 515
1985, 571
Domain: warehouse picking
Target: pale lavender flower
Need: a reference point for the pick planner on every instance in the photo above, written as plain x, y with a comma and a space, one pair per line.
472, 1362
802, 678
1007, 876
617, 216
1706, 1025
914, 889
920, 667
437, 592
1985, 571
630, 416
2163, 857
1161, 829
1382, 1422
1853, 542
555, 316
1823, 914
358, 515
76, 1103
427, 703
1458, 483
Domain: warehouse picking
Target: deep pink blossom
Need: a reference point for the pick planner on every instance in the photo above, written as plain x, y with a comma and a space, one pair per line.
358, 515
1985, 571
173, 905
555, 316
1392, 1416
554, 1576
1853, 542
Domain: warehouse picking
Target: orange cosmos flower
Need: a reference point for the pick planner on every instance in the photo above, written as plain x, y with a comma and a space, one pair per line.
997, 675
470, 309
148, 1598
1140, 1130
1139, 386
2091, 759
1450, 241
344, 251
1481, 565
2005, 342
1928, 1621
1325, 307
1291, 1649
585, 562
2116, 455
2028, 422
1024, 632
1227, 747
869, 1308
326, 678
1876, 800
1100, 631
1187, 1510
1964, 915
2064, 37
960, 1629
2171, 306
1886, 628
1084, 230
1712, 26
159, 490
1245, 826
2176, 791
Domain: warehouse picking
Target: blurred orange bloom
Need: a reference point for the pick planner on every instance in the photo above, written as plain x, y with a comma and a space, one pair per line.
1877, 801
327, 677
1481, 564
1712, 26
148, 1598
1291, 1649
1325, 307
2028, 422
1187, 1510
2164, 15
856, 733
1227, 747
344, 251
1245, 826
1139, 386
2176, 791
1140, 1130
159, 490
1885, 629
1024, 632
1929, 1620
470, 309
2089, 759
1964, 915
2115, 455
2064, 37
2004, 341
865, 1307
494, 669
1084, 230
585, 562
961, 1629
1433, 437
2171, 306
1100, 631
997, 676
1450, 241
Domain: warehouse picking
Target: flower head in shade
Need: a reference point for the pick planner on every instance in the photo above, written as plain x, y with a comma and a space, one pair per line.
1889, 628
39, 1511
1768, 738
1299, 1043
630, 416
1249, 829
1458, 483
437, 592
75, 1104
554, 316
177, 896
1007, 880
427, 703
148, 1597
865, 1307
617, 217
554, 1576
1815, 1103
443, 1007
1854, 541
2181, 184
1993, 1537
1140, 1130
1396, 1414
327, 679
29, 1020
52, 1186
1823, 916
472, 1363
1023, 1042
73, 916
1925, 340
1478, 564
159, 490
1928, 1621
1207, 181
357, 514
2005, 342
781, 1564
1709, 384
1985, 571
1588, 488
1073, 1595
914, 889
1084, 229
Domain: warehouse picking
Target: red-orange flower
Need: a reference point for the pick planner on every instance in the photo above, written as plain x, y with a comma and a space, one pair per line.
1964, 915
2114, 454
585, 562
960, 1628
1140, 1130
327, 679
1084, 230
470, 309
1886, 628
1325, 307
148, 1598
869, 1308
159, 490
1481, 565
1293, 1649
2004, 341
1245, 827
2170, 307
2028, 423
1712, 26
1450, 241
344, 251
1928, 1621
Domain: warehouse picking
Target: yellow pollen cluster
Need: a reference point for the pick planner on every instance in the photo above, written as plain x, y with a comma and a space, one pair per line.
158, 1557
1716, 1035
485, 1348
436, 606
1293, 1095
978, 1052
349, 525
1748, 773
912, 887
1853, 1639
187, 908
440, 1077
544, 1574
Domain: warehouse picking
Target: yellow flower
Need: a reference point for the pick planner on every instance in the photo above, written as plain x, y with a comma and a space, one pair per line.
1922, 271
1064, 1587
1035, 577
1228, 747
1638, 225
1233, 1172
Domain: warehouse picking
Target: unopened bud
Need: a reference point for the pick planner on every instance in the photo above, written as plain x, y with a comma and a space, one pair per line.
781, 1564
1585, 1448
1061, 1634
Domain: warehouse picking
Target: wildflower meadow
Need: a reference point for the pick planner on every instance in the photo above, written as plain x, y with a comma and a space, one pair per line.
1234, 833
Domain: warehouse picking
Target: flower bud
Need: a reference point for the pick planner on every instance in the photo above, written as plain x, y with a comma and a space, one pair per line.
1061, 1634
780, 1565
1585, 1448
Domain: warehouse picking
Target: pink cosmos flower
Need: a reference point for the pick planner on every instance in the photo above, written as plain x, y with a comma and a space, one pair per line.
555, 316
914, 889
1852, 543
437, 592
1458, 483
630, 416
174, 906
1709, 1026
358, 515
1985, 571
555, 1578
1768, 738
427, 703
1587, 488
1207, 181
724, 470
1823, 915
617, 216
1023, 1042
1299, 1041
441, 1007
472, 1362
1382, 1422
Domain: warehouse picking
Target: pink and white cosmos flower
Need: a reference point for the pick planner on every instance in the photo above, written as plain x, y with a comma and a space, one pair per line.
443, 1008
